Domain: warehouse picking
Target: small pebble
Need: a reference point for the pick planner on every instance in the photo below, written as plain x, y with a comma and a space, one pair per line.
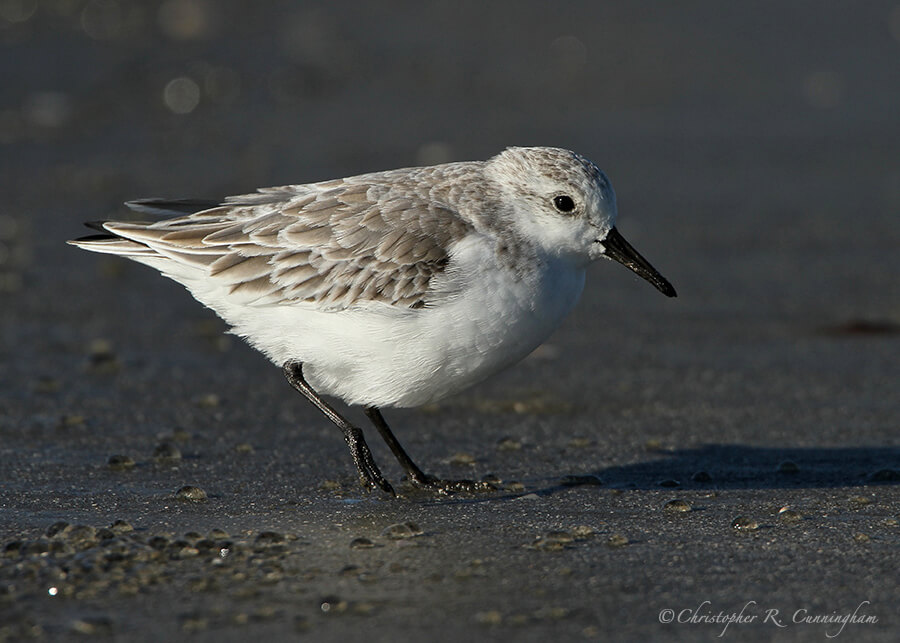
617, 540
105, 533
190, 494
860, 501
121, 527
701, 476
742, 523
509, 444
166, 452
788, 467
552, 541
462, 460
265, 613
181, 549
36, 547
92, 626
71, 419
361, 543
332, 605
490, 617
119, 462
861, 538
581, 532
101, 357
194, 623
82, 535
58, 529
61, 548
402, 531
788, 515
180, 435
364, 608
46, 384
244, 447
677, 506
668, 483
552, 613
208, 401
13, 548
518, 620
158, 542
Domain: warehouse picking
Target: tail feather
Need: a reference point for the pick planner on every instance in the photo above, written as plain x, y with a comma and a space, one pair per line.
111, 241
97, 225
110, 244
138, 241
169, 207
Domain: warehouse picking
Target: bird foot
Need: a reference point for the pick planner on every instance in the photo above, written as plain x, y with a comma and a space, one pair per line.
440, 485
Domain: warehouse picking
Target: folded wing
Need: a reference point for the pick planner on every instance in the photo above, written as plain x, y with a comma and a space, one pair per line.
334, 244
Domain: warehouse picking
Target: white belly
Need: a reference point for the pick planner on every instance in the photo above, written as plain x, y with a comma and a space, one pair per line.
383, 356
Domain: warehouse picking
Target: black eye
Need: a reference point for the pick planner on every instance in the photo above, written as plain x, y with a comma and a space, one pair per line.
563, 203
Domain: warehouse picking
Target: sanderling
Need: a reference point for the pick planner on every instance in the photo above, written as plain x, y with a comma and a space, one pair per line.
395, 288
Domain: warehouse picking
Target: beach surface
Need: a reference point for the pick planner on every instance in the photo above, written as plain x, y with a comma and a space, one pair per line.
724, 463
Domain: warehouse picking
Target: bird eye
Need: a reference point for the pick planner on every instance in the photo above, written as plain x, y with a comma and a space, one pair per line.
563, 203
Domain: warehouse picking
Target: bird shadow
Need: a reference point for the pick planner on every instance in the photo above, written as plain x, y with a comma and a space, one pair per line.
733, 466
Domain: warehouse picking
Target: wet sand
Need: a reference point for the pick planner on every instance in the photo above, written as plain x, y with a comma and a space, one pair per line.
732, 453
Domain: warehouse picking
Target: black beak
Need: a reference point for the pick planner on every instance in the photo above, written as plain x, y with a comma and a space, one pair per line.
615, 247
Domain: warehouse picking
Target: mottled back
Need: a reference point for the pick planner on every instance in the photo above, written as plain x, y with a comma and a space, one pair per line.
377, 237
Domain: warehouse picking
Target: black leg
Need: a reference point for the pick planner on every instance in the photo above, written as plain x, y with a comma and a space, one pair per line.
415, 474
362, 457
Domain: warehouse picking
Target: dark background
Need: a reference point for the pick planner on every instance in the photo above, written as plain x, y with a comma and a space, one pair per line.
755, 151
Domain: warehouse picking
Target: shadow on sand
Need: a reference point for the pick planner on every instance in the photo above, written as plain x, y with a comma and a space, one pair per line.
729, 466
732, 466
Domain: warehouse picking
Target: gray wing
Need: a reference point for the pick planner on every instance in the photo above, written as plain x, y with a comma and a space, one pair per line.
334, 244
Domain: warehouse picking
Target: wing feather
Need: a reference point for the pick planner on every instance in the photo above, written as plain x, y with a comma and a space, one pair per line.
334, 244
